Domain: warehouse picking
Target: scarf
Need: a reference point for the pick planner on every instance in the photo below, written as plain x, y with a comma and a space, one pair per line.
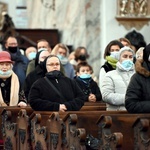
14, 90
112, 61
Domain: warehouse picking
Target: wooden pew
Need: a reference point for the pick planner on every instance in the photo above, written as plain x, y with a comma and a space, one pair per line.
9, 125
49, 131
109, 140
93, 108
121, 123
98, 103
141, 133
86, 120
9, 130
75, 137
23, 130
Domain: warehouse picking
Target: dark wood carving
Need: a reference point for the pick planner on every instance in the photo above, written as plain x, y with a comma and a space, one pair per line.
23, 132
38, 133
108, 140
75, 136
9, 129
56, 131
141, 134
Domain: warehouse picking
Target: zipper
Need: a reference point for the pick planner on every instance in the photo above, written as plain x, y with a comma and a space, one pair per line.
56, 80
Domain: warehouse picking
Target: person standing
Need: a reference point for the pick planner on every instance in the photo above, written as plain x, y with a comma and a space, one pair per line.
137, 98
110, 55
62, 51
10, 89
55, 92
116, 81
20, 61
37, 73
86, 83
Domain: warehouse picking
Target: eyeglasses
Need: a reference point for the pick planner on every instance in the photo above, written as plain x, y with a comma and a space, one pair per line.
53, 64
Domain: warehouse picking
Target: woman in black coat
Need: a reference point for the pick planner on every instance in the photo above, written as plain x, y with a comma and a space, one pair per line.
43, 97
138, 92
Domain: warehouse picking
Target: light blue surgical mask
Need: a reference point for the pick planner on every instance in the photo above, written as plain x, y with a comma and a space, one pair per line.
63, 59
85, 76
114, 54
6, 74
31, 55
127, 64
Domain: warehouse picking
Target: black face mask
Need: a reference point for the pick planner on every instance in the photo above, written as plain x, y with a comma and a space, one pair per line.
12, 49
82, 57
54, 74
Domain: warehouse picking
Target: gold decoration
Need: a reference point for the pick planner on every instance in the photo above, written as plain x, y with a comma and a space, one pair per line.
133, 13
49, 4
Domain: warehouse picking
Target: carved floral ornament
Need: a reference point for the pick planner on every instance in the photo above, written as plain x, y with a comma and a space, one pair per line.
49, 4
133, 13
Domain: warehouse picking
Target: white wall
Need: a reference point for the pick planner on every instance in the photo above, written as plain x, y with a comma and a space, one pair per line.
110, 28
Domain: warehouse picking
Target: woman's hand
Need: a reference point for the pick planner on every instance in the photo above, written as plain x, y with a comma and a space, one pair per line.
62, 108
22, 104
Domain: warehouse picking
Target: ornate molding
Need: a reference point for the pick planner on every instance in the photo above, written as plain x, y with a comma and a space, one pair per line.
133, 13
130, 22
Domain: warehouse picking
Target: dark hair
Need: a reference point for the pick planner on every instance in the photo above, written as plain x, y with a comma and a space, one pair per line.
136, 39
43, 40
83, 64
78, 52
11, 36
111, 43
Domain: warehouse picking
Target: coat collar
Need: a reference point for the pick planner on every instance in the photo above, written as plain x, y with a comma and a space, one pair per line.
142, 68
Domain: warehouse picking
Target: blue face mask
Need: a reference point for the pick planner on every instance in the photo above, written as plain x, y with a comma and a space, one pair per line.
85, 76
32, 55
5, 74
127, 64
62, 59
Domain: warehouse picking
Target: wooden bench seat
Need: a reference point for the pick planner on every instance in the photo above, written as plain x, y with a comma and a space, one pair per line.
122, 123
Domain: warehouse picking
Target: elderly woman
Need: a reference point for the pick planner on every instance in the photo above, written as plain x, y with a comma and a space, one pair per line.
115, 82
10, 93
55, 92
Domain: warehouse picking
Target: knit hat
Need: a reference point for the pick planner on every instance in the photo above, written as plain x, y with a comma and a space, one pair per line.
146, 53
125, 48
5, 57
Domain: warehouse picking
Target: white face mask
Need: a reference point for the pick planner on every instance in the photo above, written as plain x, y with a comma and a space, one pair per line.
114, 55
42, 49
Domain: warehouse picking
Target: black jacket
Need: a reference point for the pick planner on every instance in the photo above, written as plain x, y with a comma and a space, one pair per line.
42, 96
31, 78
90, 87
137, 98
107, 67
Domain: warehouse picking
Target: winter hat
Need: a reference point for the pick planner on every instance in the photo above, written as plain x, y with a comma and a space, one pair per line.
146, 53
5, 57
125, 48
